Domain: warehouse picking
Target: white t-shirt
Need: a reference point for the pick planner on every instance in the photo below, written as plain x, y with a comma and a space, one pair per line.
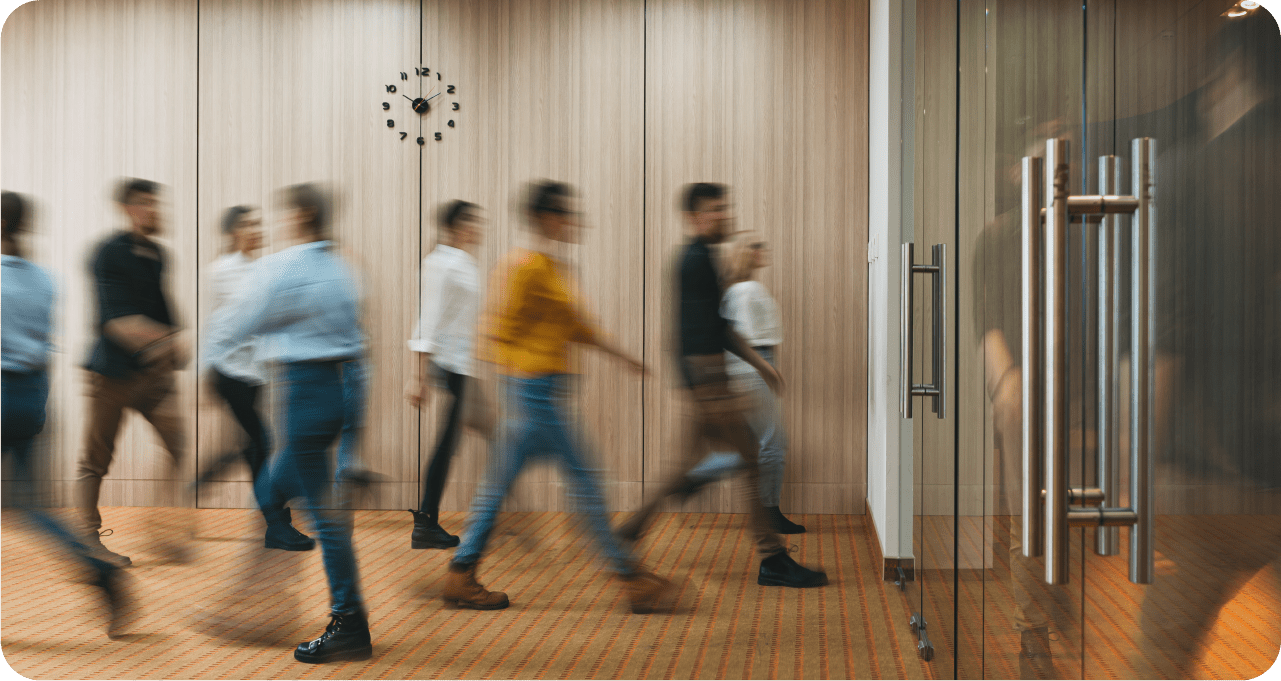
450, 302
229, 276
754, 315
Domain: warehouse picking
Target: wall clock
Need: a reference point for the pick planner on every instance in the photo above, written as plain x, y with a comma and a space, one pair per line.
426, 109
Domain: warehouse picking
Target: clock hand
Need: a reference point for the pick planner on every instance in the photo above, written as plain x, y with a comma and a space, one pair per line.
433, 96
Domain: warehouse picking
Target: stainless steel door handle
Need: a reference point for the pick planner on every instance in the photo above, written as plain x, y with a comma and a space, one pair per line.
1033, 539
938, 332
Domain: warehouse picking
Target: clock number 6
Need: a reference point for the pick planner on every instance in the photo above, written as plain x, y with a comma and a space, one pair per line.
421, 141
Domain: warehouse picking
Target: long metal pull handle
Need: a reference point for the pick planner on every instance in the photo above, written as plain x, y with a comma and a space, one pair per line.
1056, 349
939, 260
1033, 509
905, 334
938, 353
1142, 358
1107, 539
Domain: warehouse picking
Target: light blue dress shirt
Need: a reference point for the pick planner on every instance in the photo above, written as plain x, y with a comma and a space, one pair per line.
304, 302
26, 315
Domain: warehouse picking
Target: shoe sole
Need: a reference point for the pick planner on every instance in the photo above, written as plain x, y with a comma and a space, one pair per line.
778, 582
432, 544
347, 655
477, 606
785, 531
284, 547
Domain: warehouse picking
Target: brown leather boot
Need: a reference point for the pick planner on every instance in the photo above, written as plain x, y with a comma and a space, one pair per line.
462, 590
650, 593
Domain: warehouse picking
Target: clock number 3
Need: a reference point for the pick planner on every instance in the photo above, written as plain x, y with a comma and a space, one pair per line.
455, 106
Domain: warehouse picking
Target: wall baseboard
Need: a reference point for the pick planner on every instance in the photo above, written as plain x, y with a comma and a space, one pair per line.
890, 566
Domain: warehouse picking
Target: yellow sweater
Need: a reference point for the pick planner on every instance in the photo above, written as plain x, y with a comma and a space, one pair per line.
532, 316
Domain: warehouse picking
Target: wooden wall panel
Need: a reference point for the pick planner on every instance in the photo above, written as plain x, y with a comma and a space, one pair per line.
290, 102
626, 100
767, 97
92, 92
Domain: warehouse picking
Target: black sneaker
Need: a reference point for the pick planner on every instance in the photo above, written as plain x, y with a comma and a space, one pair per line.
281, 534
781, 524
346, 638
428, 534
780, 570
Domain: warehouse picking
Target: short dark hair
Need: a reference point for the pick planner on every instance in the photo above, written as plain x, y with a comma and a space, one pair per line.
453, 211
697, 192
231, 217
544, 197
130, 187
311, 198
13, 209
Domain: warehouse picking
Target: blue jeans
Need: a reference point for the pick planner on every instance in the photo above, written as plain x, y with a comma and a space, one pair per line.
23, 397
353, 403
313, 420
534, 425
766, 420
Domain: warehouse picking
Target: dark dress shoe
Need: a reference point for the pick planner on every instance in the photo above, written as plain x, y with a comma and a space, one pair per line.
428, 534
118, 589
781, 524
346, 638
281, 534
780, 570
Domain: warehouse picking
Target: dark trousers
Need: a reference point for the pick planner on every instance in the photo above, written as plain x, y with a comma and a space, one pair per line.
242, 400
313, 421
22, 402
438, 468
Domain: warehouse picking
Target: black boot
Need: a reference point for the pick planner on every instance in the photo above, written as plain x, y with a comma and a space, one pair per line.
346, 638
781, 524
428, 534
118, 588
780, 570
281, 533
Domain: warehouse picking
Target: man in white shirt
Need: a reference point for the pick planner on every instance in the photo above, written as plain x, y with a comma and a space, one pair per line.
239, 377
443, 339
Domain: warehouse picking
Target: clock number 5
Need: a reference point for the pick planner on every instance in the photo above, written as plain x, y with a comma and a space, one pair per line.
438, 137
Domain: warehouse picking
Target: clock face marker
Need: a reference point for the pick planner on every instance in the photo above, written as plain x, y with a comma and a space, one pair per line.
422, 105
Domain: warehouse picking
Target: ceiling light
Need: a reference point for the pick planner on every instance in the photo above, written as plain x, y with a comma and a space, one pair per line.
1236, 13
1249, 4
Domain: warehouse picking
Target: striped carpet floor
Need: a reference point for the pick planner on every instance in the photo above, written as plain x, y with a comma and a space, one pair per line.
235, 610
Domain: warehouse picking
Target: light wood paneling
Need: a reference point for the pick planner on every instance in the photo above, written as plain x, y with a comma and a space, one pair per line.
92, 92
767, 98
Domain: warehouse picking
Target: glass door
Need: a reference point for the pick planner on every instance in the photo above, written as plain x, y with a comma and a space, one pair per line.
1103, 498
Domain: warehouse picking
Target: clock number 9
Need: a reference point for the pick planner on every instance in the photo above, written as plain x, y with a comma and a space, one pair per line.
403, 134
391, 88
386, 106
450, 90
455, 106
438, 137
451, 123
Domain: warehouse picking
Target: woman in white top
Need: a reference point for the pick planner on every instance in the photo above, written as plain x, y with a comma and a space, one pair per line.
443, 339
238, 378
750, 308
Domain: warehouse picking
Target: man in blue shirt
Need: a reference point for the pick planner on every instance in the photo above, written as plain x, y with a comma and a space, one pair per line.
26, 315
139, 348
304, 301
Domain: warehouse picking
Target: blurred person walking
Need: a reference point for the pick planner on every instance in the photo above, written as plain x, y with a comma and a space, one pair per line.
718, 414
304, 300
533, 314
26, 321
443, 340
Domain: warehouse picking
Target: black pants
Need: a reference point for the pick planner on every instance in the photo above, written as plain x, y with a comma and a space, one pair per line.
242, 399
438, 469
